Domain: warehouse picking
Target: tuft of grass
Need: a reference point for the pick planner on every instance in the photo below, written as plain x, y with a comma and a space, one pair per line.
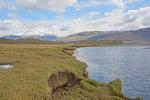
138, 98
114, 98
85, 85
116, 88
94, 83
117, 84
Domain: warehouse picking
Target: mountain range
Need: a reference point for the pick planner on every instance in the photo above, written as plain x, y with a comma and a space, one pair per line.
38, 37
133, 36
140, 36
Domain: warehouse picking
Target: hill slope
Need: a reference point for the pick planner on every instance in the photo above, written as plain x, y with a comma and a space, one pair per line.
141, 36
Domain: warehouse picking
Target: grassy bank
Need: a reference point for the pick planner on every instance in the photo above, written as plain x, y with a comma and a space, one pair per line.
35, 63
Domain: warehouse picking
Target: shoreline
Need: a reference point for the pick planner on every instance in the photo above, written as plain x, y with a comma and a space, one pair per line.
55, 70
74, 48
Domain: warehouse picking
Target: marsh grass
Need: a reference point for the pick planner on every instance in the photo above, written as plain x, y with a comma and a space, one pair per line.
33, 65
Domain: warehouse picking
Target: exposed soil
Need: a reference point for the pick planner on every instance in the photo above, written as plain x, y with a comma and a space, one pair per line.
61, 82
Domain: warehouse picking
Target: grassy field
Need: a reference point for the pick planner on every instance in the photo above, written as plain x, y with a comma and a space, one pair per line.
35, 63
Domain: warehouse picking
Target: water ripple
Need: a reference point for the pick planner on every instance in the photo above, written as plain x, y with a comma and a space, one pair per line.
130, 64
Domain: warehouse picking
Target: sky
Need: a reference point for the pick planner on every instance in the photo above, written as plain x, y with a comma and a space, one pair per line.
66, 17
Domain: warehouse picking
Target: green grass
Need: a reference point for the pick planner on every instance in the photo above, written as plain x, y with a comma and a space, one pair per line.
88, 43
34, 63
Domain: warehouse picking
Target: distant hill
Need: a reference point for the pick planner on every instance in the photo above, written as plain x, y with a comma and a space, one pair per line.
3, 40
15, 37
36, 37
24, 41
45, 37
135, 36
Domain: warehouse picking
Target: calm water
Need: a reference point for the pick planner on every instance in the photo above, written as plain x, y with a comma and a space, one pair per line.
7, 66
130, 64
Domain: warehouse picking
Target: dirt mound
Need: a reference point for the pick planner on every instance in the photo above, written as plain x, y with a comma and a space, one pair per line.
69, 51
61, 82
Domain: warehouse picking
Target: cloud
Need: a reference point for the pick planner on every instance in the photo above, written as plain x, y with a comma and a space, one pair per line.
116, 19
118, 3
14, 26
2, 4
12, 15
7, 5
132, 19
59, 6
121, 4
10, 27
51, 5
131, 1
93, 14
87, 3
137, 18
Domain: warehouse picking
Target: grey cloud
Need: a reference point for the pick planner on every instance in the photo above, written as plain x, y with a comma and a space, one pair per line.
51, 5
